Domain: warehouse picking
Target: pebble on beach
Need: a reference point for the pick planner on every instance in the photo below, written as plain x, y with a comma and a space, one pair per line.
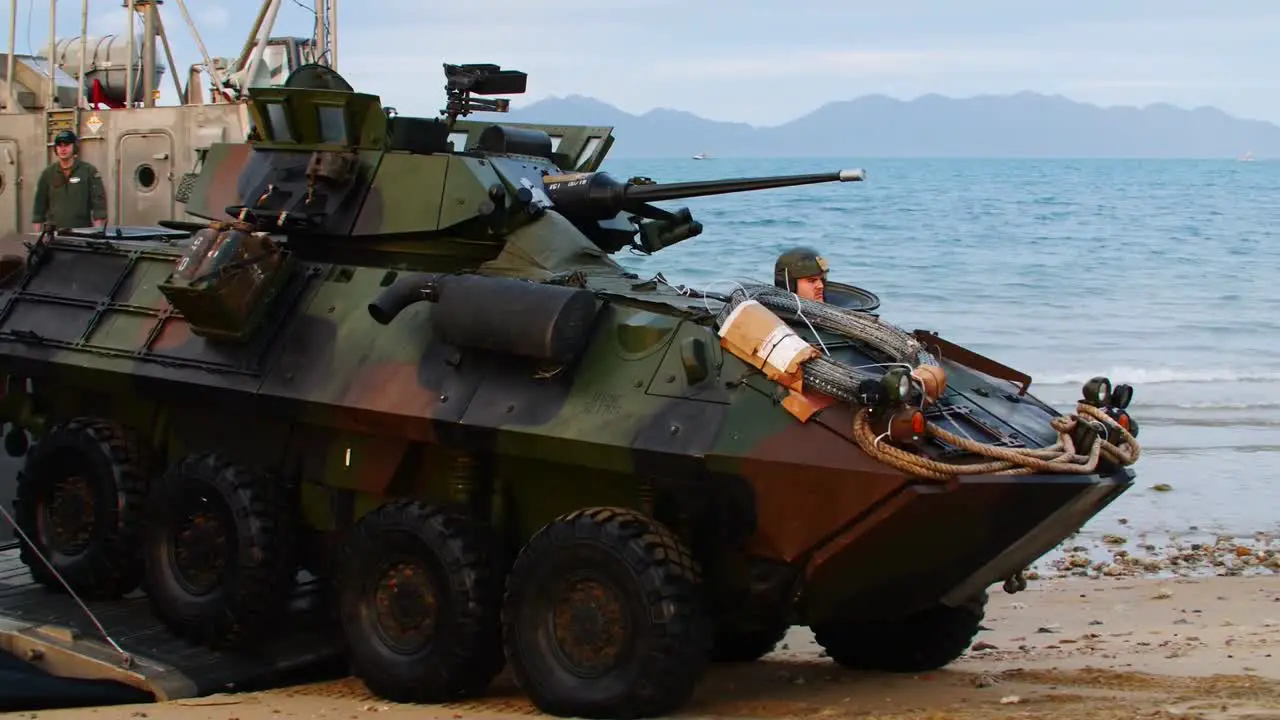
1225, 556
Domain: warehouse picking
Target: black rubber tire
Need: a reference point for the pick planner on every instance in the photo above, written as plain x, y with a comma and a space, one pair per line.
110, 565
658, 586
256, 584
465, 654
743, 646
927, 640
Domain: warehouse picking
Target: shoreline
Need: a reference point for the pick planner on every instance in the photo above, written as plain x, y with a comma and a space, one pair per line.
1067, 647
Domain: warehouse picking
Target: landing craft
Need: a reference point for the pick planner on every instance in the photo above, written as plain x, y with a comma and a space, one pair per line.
408, 365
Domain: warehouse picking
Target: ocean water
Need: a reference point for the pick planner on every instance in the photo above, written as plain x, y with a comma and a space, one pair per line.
1161, 274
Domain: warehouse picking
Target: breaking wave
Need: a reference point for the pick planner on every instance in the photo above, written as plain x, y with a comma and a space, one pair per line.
1156, 376
1212, 406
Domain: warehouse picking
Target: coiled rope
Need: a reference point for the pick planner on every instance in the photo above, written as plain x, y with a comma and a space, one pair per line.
1061, 457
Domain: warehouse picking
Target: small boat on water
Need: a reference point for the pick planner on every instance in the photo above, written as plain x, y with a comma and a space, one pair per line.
702, 156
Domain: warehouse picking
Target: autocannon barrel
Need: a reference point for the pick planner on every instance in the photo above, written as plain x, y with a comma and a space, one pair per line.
599, 195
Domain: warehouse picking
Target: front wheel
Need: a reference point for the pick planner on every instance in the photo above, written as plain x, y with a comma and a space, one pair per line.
927, 640
603, 617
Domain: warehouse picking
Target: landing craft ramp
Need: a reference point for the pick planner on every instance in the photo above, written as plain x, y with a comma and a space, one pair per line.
57, 642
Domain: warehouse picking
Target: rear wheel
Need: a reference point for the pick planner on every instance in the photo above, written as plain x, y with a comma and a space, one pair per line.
420, 603
926, 640
80, 501
603, 617
220, 551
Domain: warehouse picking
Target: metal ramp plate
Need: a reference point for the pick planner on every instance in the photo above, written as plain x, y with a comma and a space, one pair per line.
49, 630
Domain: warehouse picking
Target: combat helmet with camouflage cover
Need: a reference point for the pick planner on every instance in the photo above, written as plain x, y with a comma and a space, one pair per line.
798, 262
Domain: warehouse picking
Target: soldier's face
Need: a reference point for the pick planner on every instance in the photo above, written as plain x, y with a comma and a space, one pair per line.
64, 150
810, 288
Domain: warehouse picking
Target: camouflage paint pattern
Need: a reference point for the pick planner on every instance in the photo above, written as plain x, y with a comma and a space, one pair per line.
652, 413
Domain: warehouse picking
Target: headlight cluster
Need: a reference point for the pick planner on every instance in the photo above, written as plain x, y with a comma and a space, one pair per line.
1112, 400
894, 395
893, 388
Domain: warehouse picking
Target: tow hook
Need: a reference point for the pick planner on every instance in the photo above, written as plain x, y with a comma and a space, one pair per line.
1015, 583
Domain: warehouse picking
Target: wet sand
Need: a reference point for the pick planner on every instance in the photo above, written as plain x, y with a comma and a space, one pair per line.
1113, 647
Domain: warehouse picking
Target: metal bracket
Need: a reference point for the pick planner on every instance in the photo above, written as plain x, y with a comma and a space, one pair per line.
944, 410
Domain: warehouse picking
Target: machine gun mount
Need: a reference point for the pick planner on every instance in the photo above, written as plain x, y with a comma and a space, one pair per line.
481, 79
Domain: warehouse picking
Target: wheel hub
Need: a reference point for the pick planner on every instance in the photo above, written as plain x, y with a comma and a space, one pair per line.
406, 607
589, 626
68, 515
200, 549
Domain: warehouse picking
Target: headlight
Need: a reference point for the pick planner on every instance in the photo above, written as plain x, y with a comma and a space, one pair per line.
896, 384
1121, 395
1097, 391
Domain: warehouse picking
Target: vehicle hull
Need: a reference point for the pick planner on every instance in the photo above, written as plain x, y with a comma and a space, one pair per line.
947, 542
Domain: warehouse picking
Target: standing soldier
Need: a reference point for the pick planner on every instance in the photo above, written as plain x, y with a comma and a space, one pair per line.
69, 193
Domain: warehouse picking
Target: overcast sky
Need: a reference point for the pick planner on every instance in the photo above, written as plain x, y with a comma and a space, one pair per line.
766, 62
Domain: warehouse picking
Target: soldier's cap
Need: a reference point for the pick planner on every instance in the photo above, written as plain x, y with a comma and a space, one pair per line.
64, 137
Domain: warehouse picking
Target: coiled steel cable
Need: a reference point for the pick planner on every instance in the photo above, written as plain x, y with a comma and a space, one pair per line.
885, 343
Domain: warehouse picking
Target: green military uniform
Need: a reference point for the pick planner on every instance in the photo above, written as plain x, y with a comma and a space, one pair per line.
72, 198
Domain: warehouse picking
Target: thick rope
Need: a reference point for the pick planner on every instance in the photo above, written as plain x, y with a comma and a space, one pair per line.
1061, 457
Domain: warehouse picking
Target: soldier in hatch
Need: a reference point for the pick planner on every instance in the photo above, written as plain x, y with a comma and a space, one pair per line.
803, 271
69, 193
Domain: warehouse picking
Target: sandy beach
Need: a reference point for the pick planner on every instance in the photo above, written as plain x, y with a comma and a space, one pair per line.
1070, 647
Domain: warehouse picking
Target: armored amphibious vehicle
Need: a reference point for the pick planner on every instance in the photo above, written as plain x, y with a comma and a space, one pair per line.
399, 356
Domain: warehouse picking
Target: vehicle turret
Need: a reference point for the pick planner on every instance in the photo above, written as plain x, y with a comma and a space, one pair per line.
345, 179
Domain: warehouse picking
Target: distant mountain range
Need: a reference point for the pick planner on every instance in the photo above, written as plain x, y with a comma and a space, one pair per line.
1023, 125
